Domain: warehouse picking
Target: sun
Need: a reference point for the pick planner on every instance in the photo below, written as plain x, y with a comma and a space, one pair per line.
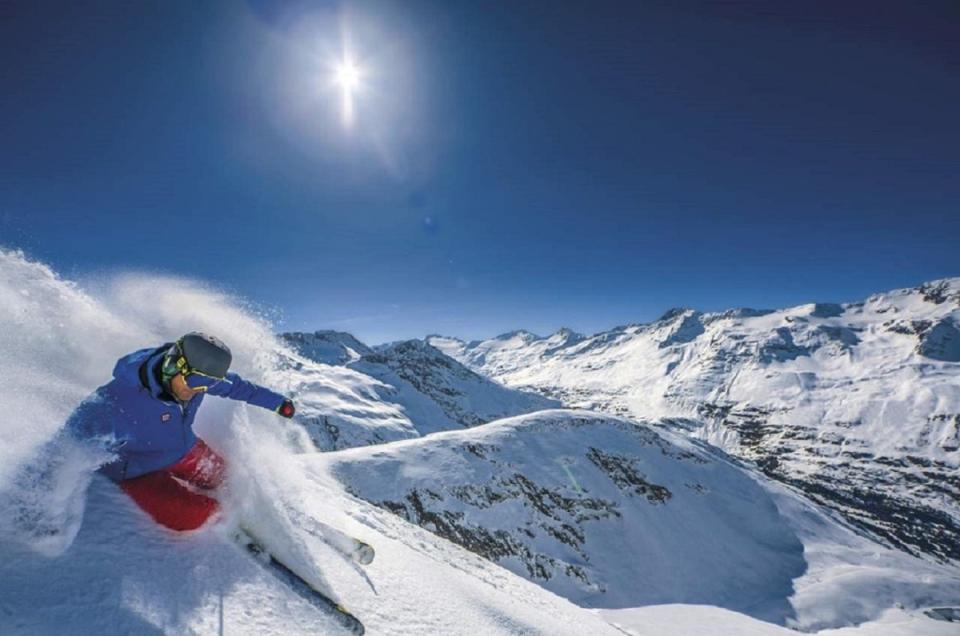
347, 76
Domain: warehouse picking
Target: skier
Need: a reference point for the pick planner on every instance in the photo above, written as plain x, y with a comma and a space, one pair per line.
146, 416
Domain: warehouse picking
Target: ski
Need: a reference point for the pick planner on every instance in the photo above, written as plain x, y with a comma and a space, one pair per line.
354, 549
297, 583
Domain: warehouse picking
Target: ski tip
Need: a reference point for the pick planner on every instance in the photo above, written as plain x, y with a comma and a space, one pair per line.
364, 554
350, 621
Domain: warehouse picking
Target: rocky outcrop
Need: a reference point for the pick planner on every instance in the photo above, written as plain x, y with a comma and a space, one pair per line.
941, 341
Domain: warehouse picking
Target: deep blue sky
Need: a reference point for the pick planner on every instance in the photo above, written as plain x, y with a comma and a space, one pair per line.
511, 164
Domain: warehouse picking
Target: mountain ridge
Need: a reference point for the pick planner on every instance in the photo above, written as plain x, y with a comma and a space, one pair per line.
856, 403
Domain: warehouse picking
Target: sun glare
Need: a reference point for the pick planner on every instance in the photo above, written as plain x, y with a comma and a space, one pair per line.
347, 76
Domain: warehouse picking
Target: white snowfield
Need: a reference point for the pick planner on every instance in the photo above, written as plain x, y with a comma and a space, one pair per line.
612, 513
77, 557
697, 620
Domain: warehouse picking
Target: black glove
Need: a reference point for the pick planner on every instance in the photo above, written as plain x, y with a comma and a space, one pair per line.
286, 409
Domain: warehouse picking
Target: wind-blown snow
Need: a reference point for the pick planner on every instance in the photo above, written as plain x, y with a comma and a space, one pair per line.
60, 342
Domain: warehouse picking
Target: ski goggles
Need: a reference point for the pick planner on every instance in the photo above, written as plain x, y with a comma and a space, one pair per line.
201, 382
174, 363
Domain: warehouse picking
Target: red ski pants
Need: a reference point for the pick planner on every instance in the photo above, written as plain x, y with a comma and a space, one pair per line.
164, 496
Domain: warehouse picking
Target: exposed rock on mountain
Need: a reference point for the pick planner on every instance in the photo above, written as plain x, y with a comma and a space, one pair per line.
941, 342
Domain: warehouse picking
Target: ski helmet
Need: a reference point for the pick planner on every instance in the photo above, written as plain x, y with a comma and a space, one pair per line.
198, 353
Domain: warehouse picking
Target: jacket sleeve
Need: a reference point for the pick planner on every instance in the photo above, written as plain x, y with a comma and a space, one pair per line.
92, 422
93, 417
236, 388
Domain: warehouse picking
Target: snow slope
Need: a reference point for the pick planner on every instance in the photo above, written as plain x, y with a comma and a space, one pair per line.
123, 574
464, 397
616, 514
693, 620
857, 404
77, 557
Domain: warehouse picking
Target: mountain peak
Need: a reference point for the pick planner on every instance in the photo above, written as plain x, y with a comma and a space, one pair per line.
523, 334
326, 346
672, 314
439, 336
409, 346
561, 339
941, 291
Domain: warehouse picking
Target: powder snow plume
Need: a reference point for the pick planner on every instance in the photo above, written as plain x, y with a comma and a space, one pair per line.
60, 341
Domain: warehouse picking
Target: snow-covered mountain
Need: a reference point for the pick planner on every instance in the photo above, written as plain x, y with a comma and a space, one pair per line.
330, 347
465, 397
507, 352
611, 513
76, 556
856, 404
423, 390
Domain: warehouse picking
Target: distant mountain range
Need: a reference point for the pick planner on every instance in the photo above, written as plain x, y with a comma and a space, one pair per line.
858, 404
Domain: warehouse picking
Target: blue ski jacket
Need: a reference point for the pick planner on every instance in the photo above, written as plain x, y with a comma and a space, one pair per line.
145, 426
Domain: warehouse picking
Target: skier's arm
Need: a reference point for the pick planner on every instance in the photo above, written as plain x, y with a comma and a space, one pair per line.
94, 417
236, 388
92, 424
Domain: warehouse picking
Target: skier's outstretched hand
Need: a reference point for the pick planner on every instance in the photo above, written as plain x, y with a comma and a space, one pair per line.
286, 409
